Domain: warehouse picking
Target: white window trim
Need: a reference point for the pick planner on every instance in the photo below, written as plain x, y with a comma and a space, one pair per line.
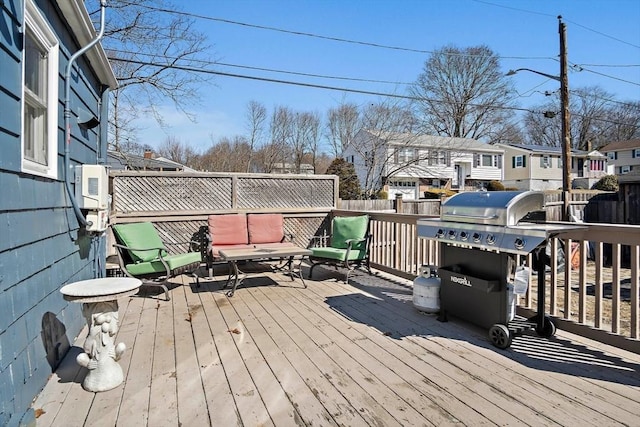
42, 32
519, 159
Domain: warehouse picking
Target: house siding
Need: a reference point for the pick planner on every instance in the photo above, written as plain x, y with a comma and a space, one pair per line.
42, 246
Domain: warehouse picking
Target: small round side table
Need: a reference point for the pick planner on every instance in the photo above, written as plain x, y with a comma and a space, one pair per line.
99, 298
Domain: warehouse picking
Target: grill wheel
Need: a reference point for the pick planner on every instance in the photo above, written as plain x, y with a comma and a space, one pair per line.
500, 336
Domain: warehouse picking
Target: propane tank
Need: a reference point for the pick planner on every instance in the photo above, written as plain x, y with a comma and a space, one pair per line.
426, 290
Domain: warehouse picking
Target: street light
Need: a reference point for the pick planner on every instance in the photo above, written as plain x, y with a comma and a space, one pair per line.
512, 72
566, 126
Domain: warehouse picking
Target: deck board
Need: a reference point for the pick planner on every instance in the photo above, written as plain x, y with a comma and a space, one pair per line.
335, 354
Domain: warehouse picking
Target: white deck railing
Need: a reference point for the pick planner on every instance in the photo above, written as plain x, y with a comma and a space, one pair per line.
598, 293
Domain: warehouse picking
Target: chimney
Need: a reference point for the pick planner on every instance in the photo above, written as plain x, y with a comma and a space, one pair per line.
148, 154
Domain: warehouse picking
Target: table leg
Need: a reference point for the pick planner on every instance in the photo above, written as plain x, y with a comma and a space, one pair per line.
235, 273
101, 353
291, 270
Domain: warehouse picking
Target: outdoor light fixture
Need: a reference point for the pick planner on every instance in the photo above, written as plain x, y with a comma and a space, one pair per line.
86, 119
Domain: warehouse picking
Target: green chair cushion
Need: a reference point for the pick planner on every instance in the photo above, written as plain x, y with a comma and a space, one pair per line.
338, 254
140, 235
156, 266
349, 227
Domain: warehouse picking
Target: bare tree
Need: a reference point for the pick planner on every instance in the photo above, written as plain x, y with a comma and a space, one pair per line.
624, 121
227, 155
267, 157
462, 93
281, 126
596, 119
144, 44
305, 135
377, 122
175, 150
343, 123
256, 117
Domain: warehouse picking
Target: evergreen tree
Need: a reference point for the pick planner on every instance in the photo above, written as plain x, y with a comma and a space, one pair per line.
349, 185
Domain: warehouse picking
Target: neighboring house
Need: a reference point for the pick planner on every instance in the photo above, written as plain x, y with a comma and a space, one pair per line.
539, 167
624, 156
44, 244
408, 164
283, 168
122, 161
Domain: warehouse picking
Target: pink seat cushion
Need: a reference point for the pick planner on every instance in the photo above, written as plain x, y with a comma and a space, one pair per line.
228, 229
265, 228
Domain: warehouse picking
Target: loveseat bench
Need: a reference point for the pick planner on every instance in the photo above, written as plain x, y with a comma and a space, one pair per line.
237, 231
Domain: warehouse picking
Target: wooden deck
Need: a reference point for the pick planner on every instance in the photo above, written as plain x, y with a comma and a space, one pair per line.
336, 354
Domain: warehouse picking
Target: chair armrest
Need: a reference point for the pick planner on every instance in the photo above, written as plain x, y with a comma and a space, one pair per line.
288, 237
129, 248
351, 241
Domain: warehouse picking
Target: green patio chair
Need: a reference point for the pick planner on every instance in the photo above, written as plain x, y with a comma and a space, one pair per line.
142, 255
348, 245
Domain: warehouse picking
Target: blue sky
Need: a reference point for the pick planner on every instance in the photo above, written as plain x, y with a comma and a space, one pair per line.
605, 34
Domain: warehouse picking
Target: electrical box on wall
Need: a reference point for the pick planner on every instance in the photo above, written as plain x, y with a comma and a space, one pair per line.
92, 187
99, 220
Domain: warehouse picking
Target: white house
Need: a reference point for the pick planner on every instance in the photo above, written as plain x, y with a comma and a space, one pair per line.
539, 167
623, 156
408, 164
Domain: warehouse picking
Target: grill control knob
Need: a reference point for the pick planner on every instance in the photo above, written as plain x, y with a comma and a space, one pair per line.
476, 237
452, 234
464, 235
440, 233
491, 239
519, 243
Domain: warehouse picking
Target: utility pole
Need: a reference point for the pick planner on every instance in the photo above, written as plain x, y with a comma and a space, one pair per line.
566, 122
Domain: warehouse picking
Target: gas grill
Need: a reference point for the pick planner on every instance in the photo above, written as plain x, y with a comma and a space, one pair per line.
481, 234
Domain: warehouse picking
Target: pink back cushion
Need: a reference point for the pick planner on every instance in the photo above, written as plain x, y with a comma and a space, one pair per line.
228, 229
265, 228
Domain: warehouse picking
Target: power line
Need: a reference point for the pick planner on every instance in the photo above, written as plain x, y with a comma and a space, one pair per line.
210, 63
553, 16
303, 84
272, 70
341, 89
323, 37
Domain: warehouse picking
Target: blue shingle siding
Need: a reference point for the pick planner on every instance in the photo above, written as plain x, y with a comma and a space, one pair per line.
41, 246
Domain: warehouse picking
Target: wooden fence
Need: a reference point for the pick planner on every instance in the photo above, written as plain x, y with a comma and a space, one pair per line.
595, 295
431, 207
179, 203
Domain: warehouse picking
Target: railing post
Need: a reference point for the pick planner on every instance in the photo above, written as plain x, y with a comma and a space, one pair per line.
397, 205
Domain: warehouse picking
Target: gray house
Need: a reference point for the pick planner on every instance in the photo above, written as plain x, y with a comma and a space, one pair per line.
54, 85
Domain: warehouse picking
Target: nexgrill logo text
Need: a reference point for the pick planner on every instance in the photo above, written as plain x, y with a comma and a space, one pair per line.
461, 280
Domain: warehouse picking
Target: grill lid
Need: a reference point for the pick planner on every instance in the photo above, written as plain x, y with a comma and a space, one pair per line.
505, 208
499, 221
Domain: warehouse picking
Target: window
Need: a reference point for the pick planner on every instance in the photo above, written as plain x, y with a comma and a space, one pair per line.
405, 155
518, 162
350, 159
636, 153
545, 162
612, 155
488, 160
625, 169
39, 96
408, 184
